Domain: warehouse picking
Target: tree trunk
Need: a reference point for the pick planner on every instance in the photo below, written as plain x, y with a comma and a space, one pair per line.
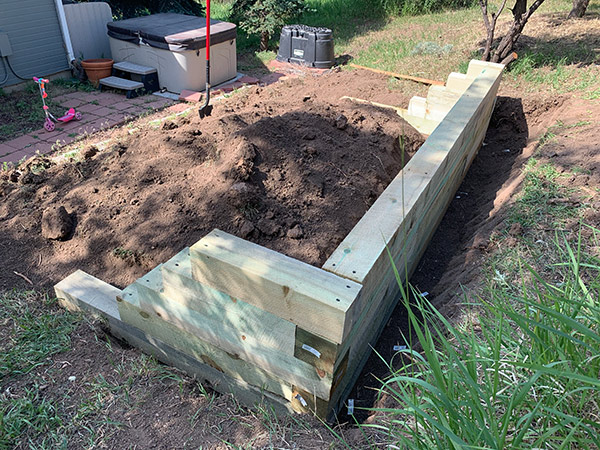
264, 40
521, 16
579, 8
490, 26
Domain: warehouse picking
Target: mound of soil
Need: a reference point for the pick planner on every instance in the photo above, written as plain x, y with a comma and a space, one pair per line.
291, 167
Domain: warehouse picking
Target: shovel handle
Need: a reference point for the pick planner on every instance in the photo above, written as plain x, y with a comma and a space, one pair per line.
208, 30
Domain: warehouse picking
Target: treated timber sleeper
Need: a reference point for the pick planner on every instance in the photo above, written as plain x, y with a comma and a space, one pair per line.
220, 327
216, 306
317, 301
83, 292
219, 359
231, 357
381, 292
179, 286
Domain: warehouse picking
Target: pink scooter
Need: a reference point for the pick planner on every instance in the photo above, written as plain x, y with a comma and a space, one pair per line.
48, 123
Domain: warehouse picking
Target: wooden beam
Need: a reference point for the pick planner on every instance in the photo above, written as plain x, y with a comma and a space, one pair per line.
242, 343
317, 301
319, 352
216, 327
458, 82
83, 292
219, 359
399, 75
179, 286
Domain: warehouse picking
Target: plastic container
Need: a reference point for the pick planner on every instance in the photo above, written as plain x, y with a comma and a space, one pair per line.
173, 44
307, 46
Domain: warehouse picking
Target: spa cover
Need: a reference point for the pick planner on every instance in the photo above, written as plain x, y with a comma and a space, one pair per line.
169, 31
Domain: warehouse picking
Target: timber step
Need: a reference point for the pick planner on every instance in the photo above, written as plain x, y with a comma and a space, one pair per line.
83, 292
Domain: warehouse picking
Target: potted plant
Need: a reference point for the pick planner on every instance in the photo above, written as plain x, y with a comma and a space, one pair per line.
96, 69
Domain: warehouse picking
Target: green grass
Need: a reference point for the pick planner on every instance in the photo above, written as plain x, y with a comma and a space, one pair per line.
33, 330
522, 373
33, 414
542, 202
36, 331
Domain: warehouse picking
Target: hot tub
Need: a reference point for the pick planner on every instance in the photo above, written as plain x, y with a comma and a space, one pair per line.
174, 44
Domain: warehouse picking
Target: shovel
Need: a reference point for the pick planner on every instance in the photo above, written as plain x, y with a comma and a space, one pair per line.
206, 109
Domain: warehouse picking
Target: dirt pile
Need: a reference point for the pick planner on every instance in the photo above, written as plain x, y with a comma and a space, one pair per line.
291, 167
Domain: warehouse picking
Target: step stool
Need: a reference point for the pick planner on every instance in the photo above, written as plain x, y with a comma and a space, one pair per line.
132, 78
131, 88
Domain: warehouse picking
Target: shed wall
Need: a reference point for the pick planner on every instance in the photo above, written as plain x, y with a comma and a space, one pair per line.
35, 37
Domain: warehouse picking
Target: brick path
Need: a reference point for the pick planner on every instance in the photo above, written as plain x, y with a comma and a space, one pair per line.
100, 110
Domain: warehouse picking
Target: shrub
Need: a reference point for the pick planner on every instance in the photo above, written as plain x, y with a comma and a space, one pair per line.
412, 7
125, 9
265, 17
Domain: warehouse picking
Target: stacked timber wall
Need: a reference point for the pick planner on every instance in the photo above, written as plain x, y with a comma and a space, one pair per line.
268, 327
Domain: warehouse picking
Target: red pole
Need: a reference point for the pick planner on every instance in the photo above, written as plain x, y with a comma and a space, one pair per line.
208, 30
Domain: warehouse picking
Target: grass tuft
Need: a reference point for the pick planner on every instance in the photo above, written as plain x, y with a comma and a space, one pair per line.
37, 331
522, 375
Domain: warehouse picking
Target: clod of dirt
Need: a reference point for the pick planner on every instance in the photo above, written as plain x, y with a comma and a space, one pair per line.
309, 136
295, 233
169, 125
30, 178
241, 194
268, 227
243, 168
90, 152
341, 122
246, 229
516, 229
57, 223
119, 148
5, 188
14, 175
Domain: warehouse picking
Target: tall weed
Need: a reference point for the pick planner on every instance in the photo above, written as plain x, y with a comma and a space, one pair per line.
523, 374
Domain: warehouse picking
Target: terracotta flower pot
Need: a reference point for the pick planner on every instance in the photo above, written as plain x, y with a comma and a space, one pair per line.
96, 69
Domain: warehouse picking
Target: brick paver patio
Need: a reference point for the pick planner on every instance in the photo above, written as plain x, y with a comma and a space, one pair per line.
101, 110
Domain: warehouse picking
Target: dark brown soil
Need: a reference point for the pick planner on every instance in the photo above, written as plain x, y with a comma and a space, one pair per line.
291, 167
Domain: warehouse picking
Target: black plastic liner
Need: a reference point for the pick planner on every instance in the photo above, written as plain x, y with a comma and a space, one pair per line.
169, 31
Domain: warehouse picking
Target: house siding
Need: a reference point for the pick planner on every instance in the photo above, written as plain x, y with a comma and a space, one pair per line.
35, 36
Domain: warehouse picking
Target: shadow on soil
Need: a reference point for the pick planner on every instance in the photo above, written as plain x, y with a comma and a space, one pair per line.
474, 200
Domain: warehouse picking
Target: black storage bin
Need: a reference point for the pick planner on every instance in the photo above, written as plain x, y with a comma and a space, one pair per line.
308, 46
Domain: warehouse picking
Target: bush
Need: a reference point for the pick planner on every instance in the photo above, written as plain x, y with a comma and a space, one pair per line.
125, 9
412, 7
265, 17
